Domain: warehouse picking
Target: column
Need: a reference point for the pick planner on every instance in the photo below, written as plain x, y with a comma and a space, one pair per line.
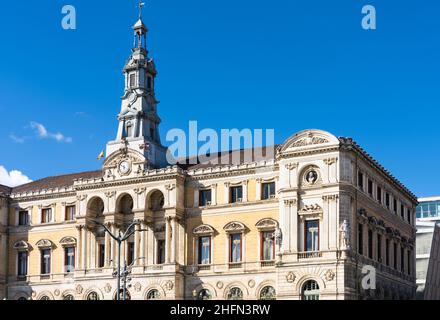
142, 245
196, 197
245, 191
167, 239
151, 251
107, 249
214, 194
78, 247
293, 216
258, 189
92, 244
227, 185
84, 248
136, 245
174, 240
113, 246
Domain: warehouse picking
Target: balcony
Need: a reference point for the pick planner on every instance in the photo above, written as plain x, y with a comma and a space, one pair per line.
204, 267
309, 255
235, 265
268, 263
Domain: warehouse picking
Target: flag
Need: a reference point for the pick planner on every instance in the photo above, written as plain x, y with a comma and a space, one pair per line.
101, 155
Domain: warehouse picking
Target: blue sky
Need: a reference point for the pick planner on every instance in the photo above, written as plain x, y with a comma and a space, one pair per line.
282, 64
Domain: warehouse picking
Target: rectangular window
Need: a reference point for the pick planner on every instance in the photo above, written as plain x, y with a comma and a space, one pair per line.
387, 200
267, 246
402, 211
70, 213
22, 263
160, 251
361, 180
101, 255
387, 252
379, 194
379, 248
205, 198
45, 261
408, 215
395, 205
370, 244
395, 255
149, 83
360, 239
46, 215
409, 262
132, 80
268, 191
130, 253
236, 194
312, 235
370, 187
69, 259
205, 250
23, 218
235, 248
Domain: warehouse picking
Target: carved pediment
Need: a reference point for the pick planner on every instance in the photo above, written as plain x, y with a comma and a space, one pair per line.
68, 241
21, 245
203, 229
44, 243
311, 208
267, 223
308, 138
234, 227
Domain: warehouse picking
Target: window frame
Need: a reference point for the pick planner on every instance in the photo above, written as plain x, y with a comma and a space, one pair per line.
262, 241
69, 268
306, 234
231, 244
199, 250
48, 270
233, 195
207, 202
66, 213
270, 195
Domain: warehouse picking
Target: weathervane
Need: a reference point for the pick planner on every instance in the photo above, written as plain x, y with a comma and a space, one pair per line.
140, 6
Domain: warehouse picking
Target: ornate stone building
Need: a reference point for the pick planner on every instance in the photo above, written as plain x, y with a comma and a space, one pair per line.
297, 223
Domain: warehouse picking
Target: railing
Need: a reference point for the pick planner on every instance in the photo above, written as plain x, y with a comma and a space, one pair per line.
309, 255
269, 263
204, 267
235, 265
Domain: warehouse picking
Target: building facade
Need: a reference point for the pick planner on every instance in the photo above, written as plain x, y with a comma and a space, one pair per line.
428, 216
298, 222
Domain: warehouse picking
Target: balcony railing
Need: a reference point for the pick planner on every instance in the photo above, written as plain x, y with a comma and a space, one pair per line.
204, 267
268, 263
235, 265
309, 255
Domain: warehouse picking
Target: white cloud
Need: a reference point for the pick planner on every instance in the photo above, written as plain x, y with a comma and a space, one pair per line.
13, 178
44, 134
17, 139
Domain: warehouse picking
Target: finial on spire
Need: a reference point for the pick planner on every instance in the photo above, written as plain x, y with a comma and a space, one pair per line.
140, 7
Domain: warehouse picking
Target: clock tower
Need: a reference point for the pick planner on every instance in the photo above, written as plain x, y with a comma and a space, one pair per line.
138, 129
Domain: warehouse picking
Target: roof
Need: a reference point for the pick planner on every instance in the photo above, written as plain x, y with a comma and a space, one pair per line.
224, 158
56, 181
5, 189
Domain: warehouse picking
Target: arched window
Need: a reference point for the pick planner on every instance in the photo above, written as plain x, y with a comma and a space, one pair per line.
235, 294
153, 295
68, 297
204, 294
92, 296
310, 290
268, 293
45, 298
156, 201
121, 295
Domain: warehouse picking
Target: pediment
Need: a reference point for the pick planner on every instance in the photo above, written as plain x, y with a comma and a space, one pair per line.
308, 139
203, 229
44, 243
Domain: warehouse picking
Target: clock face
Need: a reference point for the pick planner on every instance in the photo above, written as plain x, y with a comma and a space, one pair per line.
124, 167
132, 97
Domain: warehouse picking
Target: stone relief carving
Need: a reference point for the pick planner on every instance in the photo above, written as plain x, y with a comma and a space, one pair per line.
290, 277
169, 285
137, 287
107, 288
110, 194
203, 229
234, 226
220, 285
329, 275
79, 289
311, 208
81, 197
56, 292
251, 283
309, 140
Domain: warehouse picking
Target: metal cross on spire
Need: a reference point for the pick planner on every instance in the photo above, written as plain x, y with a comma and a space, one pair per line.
140, 6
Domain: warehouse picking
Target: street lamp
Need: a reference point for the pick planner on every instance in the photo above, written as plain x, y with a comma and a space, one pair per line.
120, 238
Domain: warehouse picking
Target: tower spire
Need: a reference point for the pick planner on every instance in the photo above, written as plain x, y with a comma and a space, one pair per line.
140, 7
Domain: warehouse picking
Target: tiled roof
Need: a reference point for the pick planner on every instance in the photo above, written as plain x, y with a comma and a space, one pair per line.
4, 189
56, 181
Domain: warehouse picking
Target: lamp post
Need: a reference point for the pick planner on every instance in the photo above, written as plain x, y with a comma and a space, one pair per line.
120, 238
